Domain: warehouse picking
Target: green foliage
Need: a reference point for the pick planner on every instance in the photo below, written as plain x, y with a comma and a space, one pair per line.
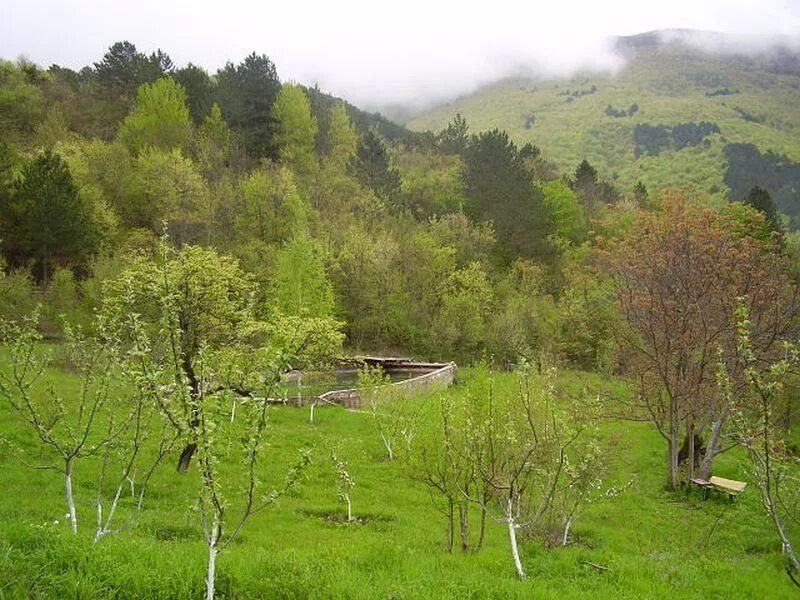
460, 324
22, 104
199, 91
454, 138
300, 285
213, 143
246, 93
671, 85
500, 190
569, 216
760, 199
123, 69
160, 119
431, 184
778, 175
295, 128
166, 186
17, 294
271, 209
46, 220
372, 166
341, 138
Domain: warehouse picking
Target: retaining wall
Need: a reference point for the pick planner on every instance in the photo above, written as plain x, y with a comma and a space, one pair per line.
439, 378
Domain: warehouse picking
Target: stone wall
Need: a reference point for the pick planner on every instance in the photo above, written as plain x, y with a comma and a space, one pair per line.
441, 377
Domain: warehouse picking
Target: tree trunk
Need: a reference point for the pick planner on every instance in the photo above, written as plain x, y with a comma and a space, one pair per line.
691, 447
186, 457
463, 514
388, 443
711, 449
73, 516
212, 560
673, 476
450, 524
567, 527
512, 536
483, 529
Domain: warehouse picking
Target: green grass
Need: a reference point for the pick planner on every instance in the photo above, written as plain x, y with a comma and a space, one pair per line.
655, 544
670, 87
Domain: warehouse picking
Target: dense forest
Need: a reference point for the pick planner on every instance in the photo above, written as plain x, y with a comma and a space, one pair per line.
443, 245
176, 243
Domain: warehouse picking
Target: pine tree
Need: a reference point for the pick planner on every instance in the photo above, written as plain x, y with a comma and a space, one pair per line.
46, 220
762, 201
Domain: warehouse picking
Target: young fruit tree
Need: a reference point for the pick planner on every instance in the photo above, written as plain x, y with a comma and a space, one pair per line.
584, 468
201, 343
344, 482
439, 461
395, 419
676, 275
756, 427
79, 405
517, 440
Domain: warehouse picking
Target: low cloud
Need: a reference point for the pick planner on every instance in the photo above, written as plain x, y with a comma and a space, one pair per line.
415, 53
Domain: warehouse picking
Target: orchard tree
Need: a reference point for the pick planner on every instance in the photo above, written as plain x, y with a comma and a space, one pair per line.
517, 443
756, 428
203, 350
205, 306
677, 275
105, 416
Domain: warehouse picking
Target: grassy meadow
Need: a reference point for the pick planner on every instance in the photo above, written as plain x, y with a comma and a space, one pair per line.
654, 544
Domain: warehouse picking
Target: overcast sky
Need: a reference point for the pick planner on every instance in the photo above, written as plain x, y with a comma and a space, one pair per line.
370, 51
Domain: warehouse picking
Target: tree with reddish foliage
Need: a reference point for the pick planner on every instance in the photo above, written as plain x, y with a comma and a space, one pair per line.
677, 276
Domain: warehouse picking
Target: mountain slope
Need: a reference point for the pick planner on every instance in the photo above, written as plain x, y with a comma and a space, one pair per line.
665, 118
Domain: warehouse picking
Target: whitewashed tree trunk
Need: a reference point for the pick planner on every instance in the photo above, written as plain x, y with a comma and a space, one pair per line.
567, 527
102, 529
349, 511
311, 415
512, 536
212, 560
73, 516
388, 443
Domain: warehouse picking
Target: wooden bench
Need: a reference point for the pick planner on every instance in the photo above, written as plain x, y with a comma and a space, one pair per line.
731, 487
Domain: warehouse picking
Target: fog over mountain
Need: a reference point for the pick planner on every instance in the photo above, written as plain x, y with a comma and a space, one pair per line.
375, 54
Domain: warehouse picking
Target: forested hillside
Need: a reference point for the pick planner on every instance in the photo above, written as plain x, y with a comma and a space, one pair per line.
673, 116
